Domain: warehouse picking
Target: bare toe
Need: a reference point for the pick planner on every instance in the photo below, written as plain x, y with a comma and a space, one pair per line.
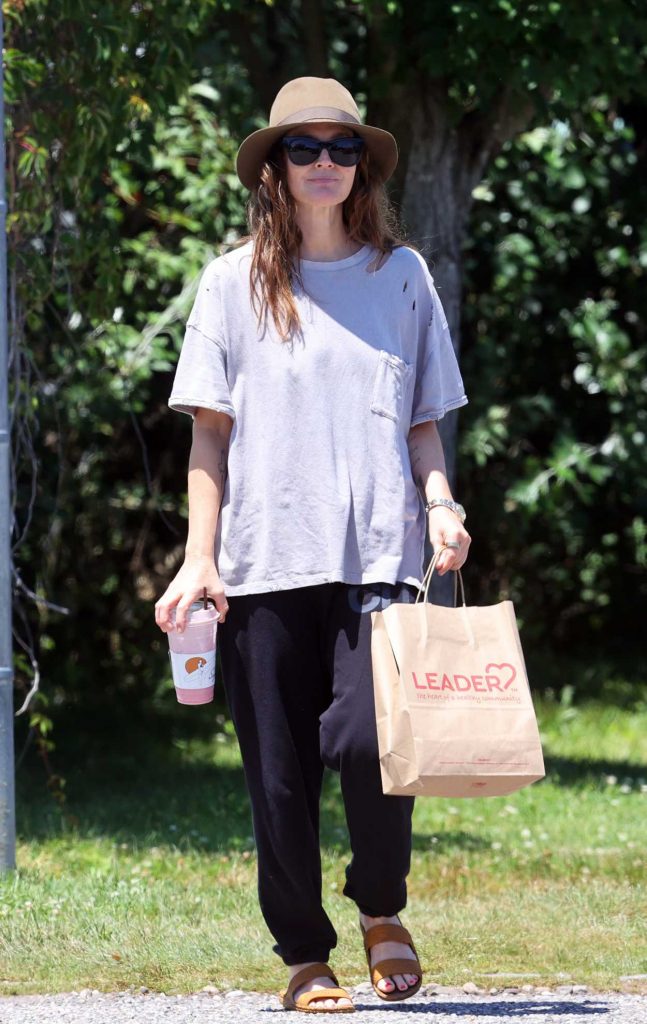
322, 1002
385, 984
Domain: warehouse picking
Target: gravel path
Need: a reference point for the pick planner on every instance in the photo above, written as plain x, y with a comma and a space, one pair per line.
565, 1005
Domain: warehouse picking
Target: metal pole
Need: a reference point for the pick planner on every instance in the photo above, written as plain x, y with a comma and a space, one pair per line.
7, 786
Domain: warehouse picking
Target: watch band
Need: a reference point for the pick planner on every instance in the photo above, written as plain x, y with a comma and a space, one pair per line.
453, 505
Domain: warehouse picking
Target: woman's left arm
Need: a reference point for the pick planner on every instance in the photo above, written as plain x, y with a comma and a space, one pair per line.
429, 473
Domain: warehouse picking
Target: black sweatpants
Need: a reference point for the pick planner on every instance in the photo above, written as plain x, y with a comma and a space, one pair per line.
297, 673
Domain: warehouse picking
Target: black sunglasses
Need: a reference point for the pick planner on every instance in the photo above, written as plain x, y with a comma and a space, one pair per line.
303, 149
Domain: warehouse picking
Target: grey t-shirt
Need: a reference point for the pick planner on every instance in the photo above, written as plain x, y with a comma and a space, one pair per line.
319, 486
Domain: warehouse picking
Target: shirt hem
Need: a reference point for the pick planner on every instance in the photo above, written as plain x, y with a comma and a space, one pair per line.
315, 579
186, 405
437, 414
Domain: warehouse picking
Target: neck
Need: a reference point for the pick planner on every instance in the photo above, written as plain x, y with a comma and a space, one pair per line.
324, 236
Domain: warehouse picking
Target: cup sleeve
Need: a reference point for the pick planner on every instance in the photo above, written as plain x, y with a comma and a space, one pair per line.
201, 373
439, 384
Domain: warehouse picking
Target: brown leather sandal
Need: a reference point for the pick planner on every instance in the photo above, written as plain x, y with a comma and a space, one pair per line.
395, 965
304, 1001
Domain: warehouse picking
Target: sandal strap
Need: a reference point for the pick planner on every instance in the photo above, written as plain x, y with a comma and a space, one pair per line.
323, 993
307, 974
386, 933
396, 965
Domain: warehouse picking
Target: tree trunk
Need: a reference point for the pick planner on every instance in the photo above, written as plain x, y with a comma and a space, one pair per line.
436, 204
314, 38
444, 163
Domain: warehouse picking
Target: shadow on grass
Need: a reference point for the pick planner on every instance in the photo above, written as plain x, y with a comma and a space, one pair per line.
149, 781
590, 772
132, 781
444, 841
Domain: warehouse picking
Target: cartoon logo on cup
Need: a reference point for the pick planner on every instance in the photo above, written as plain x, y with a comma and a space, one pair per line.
193, 664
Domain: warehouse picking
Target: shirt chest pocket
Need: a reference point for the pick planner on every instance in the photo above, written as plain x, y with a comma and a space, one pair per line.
393, 378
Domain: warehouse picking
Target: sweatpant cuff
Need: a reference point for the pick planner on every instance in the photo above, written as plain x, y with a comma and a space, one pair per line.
387, 910
305, 954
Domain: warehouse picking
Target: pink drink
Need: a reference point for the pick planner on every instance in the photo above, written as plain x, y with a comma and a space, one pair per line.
193, 655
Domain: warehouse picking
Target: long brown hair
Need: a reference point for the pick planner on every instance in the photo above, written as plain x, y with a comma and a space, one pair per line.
369, 218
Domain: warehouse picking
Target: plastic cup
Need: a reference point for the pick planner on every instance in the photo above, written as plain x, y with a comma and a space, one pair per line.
193, 655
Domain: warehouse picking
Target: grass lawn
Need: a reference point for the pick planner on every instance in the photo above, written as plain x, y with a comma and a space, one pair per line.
150, 876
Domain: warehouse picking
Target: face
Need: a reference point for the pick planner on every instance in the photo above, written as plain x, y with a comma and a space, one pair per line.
322, 183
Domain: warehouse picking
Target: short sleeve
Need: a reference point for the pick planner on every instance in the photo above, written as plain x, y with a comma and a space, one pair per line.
201, 374
439, 385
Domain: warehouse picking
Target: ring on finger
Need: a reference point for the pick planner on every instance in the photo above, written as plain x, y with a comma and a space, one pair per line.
452, 544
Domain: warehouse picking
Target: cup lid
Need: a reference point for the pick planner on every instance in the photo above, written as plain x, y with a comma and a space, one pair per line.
198, 613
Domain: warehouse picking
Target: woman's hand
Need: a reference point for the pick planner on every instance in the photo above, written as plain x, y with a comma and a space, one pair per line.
444, 526
188, 586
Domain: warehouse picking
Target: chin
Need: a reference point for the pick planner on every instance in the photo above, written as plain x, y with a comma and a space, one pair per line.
329, 197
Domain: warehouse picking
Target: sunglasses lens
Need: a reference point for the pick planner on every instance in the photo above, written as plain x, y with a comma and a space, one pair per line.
304, 150
346, 152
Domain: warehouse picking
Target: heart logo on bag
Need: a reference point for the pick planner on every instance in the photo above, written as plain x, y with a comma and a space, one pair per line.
504, 664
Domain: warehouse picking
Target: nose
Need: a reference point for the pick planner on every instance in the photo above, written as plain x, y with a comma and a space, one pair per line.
321, 157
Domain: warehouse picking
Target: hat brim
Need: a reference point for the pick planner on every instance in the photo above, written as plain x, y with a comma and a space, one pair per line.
255, 148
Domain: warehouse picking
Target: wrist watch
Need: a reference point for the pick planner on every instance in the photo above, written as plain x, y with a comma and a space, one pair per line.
453, 505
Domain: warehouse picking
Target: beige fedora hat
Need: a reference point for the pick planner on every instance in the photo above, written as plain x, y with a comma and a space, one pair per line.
313, 101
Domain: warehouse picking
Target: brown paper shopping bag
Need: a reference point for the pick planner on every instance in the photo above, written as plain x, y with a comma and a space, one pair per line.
453, 707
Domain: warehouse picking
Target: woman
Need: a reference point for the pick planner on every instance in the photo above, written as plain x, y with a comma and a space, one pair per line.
315, 364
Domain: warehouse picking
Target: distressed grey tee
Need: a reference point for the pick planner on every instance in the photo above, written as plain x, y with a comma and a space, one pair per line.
319, 486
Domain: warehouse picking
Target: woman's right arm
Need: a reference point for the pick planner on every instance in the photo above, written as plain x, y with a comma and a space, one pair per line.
206, 485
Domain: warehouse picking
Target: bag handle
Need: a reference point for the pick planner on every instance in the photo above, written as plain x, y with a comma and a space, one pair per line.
426, 580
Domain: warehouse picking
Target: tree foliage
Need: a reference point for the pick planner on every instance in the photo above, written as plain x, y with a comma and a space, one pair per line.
557, 359
119, 189
122, 135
